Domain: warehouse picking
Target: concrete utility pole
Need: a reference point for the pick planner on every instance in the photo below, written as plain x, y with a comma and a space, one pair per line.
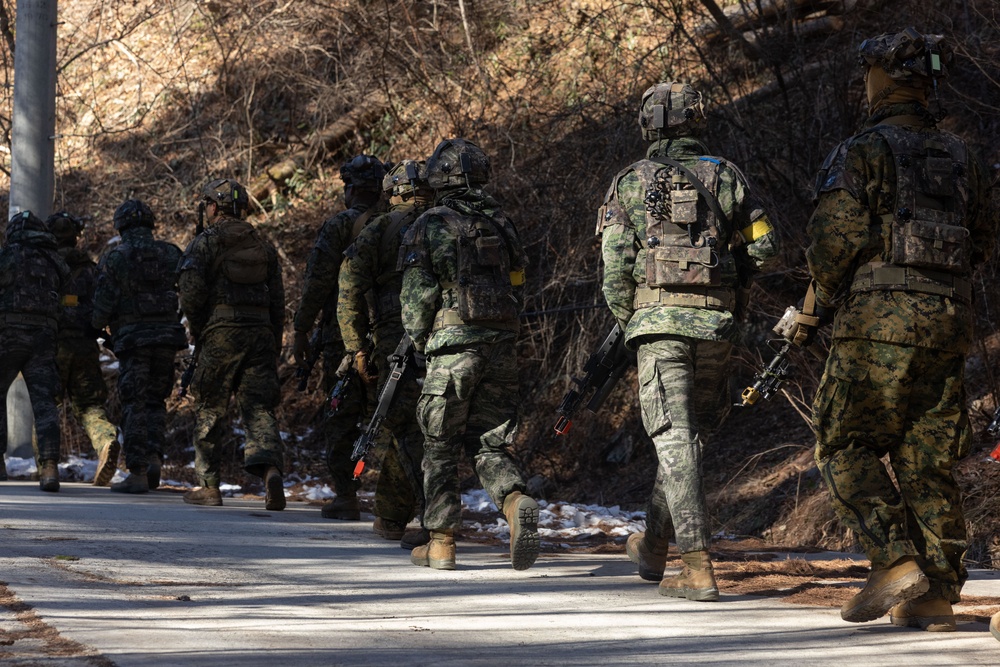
32, 179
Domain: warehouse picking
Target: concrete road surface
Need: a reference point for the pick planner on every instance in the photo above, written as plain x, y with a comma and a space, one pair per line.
95, 578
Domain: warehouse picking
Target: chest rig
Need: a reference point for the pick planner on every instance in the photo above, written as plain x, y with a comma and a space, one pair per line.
149, 293
928, 246
35, 292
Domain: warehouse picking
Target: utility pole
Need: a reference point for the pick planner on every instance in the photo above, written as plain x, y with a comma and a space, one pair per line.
32, 174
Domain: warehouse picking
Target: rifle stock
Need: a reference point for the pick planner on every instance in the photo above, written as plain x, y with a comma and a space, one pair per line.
602, 371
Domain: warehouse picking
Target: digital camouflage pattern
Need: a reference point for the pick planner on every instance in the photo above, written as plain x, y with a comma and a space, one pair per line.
469, 399
238, 350
684, 396
370, 272
623, 238
893, 380
141, 310
78, 355
32, 278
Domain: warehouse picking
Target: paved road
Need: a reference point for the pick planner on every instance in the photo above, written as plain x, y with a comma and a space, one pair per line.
93, 578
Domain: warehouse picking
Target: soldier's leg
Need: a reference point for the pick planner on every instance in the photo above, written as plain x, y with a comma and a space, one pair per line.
42, 379
443, 414
395, 495
860, 415
924, 463
161, 382
340, 429
134, 381
214, 377
258, 395
11, 363
80, 367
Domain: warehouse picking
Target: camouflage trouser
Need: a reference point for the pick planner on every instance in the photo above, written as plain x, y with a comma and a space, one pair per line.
32, 352
79, 365
241, 361
907, 403
684, 395
340, 430
469, 402
145, 378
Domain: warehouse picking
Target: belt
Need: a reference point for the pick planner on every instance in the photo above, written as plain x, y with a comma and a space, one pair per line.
29, 320
157, 319
879, 276
226, 312
449, 318
714, 298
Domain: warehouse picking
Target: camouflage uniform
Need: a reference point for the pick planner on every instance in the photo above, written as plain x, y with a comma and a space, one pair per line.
683, 350
238, 330
319, 293
78, 355
469, 399
146, 334
32, 278
893, 383
371, 267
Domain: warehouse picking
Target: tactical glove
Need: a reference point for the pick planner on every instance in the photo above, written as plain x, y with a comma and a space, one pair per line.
300, 348
366, 370
345, 365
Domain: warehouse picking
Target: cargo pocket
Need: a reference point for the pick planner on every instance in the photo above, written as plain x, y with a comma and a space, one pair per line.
433, 402
835, 411
651, 398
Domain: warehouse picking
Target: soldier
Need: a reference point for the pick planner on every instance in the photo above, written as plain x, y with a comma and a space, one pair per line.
362, 177
78, 355
462, 293
32, 279
901, 219
682, 236
137, 296
232, 294
371, 266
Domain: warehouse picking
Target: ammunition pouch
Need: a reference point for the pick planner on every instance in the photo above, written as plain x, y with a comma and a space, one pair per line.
449, 317
695, 296
880, 276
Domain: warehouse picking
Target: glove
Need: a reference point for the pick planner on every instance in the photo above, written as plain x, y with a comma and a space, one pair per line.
366, 370
345, 365
300, 348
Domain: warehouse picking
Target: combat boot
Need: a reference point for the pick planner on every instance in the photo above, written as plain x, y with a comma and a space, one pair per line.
900, 582
995, 626
107, 463
204, 495
415, 537
153, 472
930, 615
136, 482
438, 554
3, 469
48, 476
522, 517
274, 494
650, 559
390, 530
695, 582
345, 508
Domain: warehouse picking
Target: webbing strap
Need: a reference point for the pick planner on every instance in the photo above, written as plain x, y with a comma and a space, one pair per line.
880, 276
715, 298
450, 318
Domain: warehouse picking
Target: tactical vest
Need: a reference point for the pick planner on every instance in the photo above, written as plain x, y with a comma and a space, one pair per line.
386, 300
240, 269
484, 278
149, 291
77, 303
33, 296
685, 248
928, 246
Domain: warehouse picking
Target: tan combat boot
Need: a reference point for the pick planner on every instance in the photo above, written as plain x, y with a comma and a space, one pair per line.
651, 559
48, 476
930, 615
438, 554
345, 508
995, 626
695, 582
107, 463
415, 537
886, 588
522, 517
204, 495
274, 490
136, 482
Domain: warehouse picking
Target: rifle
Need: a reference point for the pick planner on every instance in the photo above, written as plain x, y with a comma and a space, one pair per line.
398, 362
340, 392
768, 381
188, 375
302, 373
602, 371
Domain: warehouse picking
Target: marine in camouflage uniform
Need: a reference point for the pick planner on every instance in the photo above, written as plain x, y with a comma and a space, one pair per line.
370, 273
460, 307
78, 355
234, 299
136, 296
362, 177
32, 279
902, 216
677, 263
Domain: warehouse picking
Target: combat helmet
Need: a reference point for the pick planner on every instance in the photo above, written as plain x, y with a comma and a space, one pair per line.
457, 162
908, 57
65, 227
404, 178
670, 109
132, 213
363, 172
228, 195
25, 221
